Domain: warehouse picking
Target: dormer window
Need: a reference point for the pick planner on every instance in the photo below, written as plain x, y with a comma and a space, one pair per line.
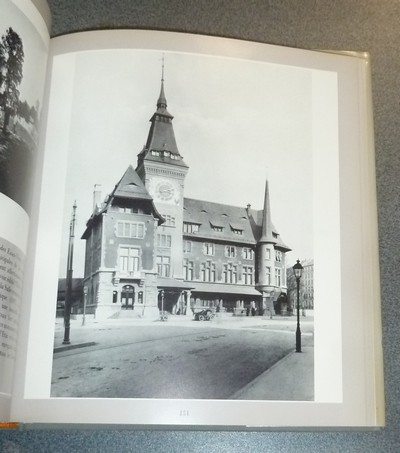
217, 226
237, 229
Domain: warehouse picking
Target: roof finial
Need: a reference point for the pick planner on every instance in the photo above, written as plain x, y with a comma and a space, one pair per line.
162, 101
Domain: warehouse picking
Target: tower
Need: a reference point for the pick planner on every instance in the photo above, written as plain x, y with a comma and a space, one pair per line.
163, 171
266, 283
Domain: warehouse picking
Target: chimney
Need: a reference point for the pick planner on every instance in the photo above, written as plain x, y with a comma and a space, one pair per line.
96, 197
248, 209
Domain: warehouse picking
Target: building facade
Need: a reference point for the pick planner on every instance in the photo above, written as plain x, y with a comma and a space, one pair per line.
306, 288
148, 248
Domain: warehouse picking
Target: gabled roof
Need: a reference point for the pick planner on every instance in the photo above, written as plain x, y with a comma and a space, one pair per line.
131, 186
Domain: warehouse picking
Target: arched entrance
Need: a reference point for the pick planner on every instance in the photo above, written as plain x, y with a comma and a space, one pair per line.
281, 305
127, 297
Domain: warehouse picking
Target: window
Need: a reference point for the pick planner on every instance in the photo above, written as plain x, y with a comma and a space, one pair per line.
278, 255
248, 275
230, 273
130, 230
208, 272
268, 275
169, 220
188, 269
190, 227
278, 279
164, 240
237, 231
163, 265
208, 249
217, 228
268, 254
187, 246
247, 253
230, 251
130, 210
128, 259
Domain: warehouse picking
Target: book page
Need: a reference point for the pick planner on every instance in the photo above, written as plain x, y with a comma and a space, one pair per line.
23, 55
178, 279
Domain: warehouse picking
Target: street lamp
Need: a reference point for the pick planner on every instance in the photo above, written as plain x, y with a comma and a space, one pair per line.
85, 293
68, 290
298, 269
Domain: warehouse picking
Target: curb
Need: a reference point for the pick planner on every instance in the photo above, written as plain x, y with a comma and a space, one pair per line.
73, 346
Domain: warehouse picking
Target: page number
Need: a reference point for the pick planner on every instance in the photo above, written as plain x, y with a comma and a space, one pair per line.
184, 413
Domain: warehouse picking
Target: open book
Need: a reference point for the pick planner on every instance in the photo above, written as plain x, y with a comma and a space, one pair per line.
188, 231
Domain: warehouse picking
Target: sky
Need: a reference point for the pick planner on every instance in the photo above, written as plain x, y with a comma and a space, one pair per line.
236, 124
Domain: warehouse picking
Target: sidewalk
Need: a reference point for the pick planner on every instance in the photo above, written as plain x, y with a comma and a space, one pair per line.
291, 378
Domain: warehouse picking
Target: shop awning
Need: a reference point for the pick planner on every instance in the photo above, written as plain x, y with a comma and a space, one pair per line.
220, 288
173, 283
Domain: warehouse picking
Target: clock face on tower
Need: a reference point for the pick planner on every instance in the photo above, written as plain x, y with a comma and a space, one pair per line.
165, 191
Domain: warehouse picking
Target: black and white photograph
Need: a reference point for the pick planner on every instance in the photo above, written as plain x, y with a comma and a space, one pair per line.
23, 57
187, 254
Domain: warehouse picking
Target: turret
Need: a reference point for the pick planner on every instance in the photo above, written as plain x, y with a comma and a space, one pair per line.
266, 257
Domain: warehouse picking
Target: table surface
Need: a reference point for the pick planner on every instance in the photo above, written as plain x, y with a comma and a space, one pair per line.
370, 25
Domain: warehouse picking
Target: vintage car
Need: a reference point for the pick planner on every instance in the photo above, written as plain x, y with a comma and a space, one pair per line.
204, 315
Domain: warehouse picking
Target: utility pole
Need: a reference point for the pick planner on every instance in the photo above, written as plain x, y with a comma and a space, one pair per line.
68, 291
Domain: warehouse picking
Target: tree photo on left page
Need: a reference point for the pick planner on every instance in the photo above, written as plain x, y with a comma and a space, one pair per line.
23, 57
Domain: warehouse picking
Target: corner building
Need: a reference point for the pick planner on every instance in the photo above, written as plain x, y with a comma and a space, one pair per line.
148, 248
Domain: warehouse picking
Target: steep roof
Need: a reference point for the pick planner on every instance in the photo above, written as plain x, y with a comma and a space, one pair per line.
266, 228
258, 215
161, 143
129, 187
211, 215
232, 219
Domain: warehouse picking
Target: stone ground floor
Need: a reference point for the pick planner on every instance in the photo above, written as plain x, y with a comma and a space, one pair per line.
146, 298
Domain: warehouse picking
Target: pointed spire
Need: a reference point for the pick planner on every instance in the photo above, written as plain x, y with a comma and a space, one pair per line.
162, 100
161, 144
266, 234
